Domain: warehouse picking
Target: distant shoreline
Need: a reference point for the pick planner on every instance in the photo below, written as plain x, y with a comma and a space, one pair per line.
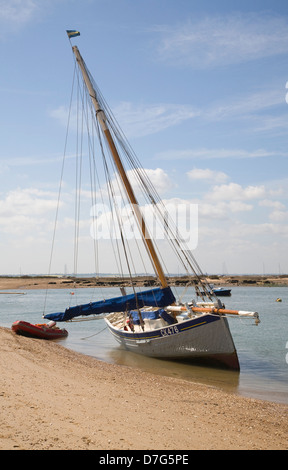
65, 282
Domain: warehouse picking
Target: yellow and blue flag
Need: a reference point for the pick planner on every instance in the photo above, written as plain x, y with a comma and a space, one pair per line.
72, 33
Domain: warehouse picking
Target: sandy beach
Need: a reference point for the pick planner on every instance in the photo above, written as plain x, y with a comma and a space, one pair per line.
54, 398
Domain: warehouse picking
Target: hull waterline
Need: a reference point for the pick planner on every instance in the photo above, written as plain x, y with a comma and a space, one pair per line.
206, 339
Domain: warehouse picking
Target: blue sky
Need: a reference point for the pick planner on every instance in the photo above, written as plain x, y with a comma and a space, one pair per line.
199, 88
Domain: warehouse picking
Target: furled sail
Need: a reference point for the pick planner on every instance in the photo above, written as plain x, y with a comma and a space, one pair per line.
150, 298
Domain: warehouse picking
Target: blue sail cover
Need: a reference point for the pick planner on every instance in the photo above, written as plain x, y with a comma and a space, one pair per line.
150, 298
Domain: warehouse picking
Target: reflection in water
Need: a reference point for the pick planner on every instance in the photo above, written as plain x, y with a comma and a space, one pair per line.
224, 379
103, 346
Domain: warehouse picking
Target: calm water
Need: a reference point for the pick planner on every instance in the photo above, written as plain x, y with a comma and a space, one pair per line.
262, 349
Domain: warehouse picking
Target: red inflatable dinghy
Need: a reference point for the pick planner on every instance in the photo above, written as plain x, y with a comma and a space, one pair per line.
42, 331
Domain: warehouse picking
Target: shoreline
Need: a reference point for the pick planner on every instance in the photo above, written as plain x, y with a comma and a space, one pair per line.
65, 282
55, 398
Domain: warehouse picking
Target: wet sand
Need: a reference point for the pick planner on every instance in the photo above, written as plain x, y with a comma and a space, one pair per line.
54, 398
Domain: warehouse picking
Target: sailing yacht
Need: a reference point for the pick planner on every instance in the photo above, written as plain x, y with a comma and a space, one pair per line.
152, 322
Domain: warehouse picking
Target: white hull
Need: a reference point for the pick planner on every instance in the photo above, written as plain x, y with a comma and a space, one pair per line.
205, 337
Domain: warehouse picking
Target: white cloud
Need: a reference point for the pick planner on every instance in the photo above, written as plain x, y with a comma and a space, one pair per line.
246, 104
141, 120
18, 11
279, 216
137, 120
206, 154
61, 114
256, 230
229, 39
222, 210
158, 177
235, 192
279, 211
274, 204
26, 211
207, 175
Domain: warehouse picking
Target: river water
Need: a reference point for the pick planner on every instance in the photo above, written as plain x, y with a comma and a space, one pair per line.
262, 349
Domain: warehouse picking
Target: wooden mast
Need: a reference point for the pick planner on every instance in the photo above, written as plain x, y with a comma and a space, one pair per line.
130, 193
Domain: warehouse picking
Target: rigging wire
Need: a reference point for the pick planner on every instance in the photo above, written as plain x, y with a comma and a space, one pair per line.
60, 186
114, 189
184, 254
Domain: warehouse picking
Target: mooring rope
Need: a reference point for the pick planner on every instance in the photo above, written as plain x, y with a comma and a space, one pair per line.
95, 334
